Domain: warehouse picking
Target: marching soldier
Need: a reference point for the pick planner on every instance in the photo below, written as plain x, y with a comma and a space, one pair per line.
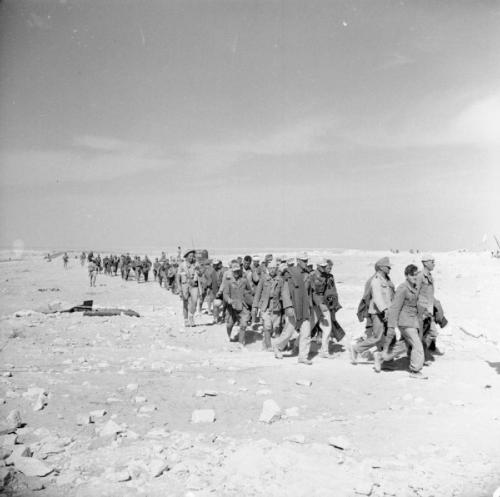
187, 282
237, 294
298, 315
378, 296
323, 295
268, 298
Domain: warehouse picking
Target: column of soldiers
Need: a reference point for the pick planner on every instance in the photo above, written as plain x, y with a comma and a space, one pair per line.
292, 301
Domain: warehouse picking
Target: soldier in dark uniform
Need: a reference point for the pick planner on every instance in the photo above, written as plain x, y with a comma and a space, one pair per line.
219, 304
237, 294
268, 298
146, 267
114, 265
323, 293
156, 268
171, 277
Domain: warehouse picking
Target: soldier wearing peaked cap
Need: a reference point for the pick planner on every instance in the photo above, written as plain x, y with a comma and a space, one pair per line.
426, 303
187, 282
374, 306
323, 288
268, 298
237, 294
298, 317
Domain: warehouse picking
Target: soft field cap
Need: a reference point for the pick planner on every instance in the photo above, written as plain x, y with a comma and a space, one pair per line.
383, 262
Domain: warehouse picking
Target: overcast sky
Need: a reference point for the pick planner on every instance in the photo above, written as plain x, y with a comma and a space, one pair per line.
363, 124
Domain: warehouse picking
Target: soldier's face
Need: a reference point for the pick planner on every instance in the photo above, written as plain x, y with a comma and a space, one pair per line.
273, 271
302, 264
429, 265
191, 258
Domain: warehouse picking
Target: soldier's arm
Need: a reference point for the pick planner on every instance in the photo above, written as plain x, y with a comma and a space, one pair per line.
396, 306
377, 295
258, 293
226, 291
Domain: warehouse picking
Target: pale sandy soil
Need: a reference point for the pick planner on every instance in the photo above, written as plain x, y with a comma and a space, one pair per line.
406, 437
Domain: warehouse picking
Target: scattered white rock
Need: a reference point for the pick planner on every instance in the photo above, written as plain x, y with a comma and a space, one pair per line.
30, 466
34, 392
41, 402
271, 412
119, 476
140, 400
231, 381
98, 413
147, 409
83, 419
203, 416
8, 441
17, 452
14, 418
132, 387
157, 467
110, 428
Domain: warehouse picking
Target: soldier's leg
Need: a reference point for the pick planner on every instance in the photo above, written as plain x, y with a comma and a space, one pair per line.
304, 341
185, 312
325, 323
289, 332
377, 337
193, 300
244, 316
230, 320
412, 339
217, 310
210, 301
429, 337
267, 329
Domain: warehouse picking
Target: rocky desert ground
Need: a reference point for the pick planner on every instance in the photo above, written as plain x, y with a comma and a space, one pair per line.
125, 406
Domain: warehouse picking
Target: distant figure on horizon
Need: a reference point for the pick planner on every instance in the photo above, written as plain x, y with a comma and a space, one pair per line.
65, 260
